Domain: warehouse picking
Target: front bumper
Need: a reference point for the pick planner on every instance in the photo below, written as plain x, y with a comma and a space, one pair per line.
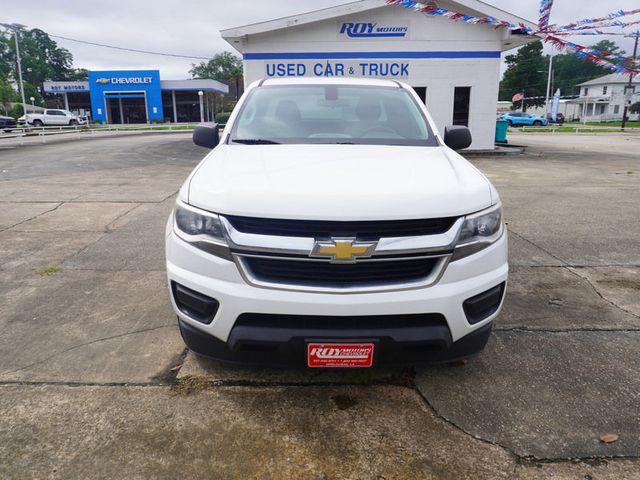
269, 351
220, 279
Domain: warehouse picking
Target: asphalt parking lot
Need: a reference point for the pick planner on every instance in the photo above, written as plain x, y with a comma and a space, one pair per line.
95, 381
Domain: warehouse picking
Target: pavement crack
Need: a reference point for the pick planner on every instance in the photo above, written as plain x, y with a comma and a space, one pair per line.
566, 330
22, 383
107, 228
595, 289
538, 247
169, 196
521, 459
571, 268
34, 217
85, 344
450, 422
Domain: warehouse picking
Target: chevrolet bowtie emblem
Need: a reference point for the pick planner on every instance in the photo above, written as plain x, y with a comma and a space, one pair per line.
102, 80
343, 250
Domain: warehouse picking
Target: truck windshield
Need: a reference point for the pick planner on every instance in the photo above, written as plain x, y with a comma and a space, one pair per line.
328, 114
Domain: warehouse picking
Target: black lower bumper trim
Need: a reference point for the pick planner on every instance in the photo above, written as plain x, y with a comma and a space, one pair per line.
288, 349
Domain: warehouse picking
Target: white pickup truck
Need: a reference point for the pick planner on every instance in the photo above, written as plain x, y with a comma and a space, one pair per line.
51, 117
333, 226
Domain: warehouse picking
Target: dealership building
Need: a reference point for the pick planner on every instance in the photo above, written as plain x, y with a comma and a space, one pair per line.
138, 96
453, 66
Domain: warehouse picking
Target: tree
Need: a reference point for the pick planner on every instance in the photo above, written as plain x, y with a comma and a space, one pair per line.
41, 57
570, 70
31, 91
79, 74
7, 94
526, 72
41, 60
223, 66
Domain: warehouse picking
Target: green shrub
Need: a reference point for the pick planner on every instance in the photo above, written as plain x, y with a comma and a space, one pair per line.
222, 117
17, 111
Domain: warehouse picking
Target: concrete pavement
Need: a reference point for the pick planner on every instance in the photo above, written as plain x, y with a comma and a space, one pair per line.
94, 381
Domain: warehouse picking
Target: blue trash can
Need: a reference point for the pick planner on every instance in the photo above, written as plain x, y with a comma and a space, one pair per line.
501, 131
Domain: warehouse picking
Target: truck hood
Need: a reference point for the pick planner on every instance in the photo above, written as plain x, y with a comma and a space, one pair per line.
337, 182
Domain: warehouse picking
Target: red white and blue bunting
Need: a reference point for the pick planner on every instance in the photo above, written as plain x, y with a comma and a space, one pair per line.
545, 14
591, 55
550, 34
610, 16
457, 16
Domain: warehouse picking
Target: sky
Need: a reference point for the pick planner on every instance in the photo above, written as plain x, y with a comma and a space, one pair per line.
191, 27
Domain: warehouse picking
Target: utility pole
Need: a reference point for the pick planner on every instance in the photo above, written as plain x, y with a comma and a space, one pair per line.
16, 27
630, 84
546, 102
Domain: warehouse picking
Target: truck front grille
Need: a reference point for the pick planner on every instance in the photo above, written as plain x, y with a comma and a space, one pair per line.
321, 274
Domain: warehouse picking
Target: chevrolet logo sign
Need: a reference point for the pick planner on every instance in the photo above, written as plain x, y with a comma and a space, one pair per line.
343, 250
102, 80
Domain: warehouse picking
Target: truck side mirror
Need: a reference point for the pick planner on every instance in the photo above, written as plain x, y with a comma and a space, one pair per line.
457, 137
206, 135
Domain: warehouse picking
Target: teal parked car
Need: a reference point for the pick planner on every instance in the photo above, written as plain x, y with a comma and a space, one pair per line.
518, 119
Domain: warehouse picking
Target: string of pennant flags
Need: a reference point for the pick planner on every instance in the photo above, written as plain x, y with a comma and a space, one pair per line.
550, 33
592, 32
610, 16
615, 23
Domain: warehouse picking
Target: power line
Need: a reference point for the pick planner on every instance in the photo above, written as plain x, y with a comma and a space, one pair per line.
193, 57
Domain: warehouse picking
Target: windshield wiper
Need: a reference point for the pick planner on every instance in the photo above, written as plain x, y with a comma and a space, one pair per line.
254, 141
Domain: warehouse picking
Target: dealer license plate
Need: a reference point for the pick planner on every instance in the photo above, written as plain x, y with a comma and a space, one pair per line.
340, 355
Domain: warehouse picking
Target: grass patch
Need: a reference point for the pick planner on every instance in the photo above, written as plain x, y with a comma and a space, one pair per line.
634, 123
50, 269
567, 130
190, 385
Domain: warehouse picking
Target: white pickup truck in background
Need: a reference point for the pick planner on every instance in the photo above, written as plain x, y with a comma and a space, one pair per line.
51, 117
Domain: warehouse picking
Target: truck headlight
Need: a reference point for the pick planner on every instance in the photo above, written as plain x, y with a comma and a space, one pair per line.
478, 231
201, 229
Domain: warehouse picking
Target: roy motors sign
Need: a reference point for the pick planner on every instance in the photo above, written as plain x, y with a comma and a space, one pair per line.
372, 30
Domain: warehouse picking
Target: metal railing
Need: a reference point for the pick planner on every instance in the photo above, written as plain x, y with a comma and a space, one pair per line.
569, 128
42, 133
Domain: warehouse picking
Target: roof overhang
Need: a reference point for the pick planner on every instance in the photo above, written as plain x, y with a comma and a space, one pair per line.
194, 84
511, 40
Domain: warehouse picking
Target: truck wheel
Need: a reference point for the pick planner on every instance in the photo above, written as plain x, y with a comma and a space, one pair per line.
537, 123
37, 123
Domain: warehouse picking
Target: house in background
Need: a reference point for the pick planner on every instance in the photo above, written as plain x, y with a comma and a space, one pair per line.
603, 99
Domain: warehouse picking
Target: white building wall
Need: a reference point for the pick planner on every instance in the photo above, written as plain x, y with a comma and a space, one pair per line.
425, 34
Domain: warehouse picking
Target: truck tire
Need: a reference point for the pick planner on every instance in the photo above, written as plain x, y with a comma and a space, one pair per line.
38, 123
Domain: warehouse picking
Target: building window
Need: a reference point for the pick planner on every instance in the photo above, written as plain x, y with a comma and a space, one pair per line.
422, 93
616, 109
604, 90
586, 91
461, 104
